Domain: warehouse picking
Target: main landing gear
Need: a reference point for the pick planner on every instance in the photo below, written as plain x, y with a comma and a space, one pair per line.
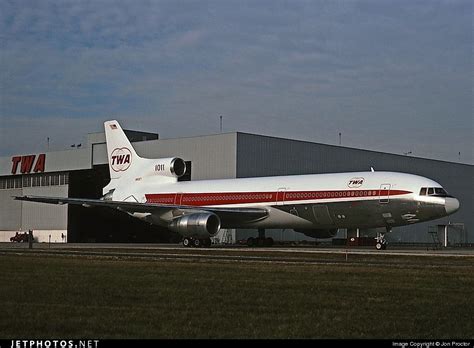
261, 240
196, 242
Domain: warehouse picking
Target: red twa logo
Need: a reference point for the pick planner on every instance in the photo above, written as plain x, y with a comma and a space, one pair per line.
355, 182
26, 163
120, 159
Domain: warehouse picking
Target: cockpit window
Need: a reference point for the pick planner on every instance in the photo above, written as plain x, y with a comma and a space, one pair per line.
433, 191
440, 192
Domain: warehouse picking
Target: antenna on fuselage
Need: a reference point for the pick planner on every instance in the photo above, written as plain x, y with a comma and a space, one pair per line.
372, 169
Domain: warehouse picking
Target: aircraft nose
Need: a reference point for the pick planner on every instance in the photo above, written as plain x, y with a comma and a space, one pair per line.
451, 205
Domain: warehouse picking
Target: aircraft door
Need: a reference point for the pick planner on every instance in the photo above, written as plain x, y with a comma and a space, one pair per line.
280, 198
177, 198
384, 193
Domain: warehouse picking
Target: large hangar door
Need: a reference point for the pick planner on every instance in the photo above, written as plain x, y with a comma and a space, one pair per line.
85, 222
102, 224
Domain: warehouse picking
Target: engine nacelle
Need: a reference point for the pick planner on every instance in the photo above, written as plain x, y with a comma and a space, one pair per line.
172, 167
199, 225
319, 233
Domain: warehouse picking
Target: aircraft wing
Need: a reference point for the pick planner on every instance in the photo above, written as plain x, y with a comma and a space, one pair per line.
165, 213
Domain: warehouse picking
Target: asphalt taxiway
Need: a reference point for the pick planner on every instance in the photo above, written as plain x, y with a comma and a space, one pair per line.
219, 253
413, 251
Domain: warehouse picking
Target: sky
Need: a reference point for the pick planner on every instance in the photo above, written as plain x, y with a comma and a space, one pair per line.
391, 76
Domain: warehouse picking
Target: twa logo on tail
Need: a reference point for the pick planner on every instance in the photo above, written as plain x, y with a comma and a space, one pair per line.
120, 159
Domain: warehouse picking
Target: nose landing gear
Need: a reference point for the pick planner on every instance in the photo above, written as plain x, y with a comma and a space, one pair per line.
380, 241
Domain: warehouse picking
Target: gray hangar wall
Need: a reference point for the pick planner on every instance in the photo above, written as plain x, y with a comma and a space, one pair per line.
263, 155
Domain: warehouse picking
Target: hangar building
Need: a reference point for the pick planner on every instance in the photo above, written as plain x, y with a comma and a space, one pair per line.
83, 172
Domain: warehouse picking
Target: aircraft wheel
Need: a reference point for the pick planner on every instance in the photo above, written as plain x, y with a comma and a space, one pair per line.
379, 246
197, 243
251, 241
186, 242
268, 242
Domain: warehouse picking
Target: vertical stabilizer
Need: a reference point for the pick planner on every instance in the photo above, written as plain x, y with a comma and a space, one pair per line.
120, 152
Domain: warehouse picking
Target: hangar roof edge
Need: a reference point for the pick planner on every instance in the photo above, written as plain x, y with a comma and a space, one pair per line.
138, 136
355, 148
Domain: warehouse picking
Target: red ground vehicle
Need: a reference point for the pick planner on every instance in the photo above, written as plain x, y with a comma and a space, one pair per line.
20, 237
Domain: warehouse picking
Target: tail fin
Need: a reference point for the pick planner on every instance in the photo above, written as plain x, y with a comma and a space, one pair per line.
120, 152
126, 167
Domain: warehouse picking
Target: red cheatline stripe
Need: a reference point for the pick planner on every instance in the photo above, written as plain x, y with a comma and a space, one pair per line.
221, 198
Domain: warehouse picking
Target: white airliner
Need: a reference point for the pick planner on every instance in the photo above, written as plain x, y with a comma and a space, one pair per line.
316, 205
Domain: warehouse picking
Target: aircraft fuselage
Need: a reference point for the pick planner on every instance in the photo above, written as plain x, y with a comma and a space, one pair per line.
336, 200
